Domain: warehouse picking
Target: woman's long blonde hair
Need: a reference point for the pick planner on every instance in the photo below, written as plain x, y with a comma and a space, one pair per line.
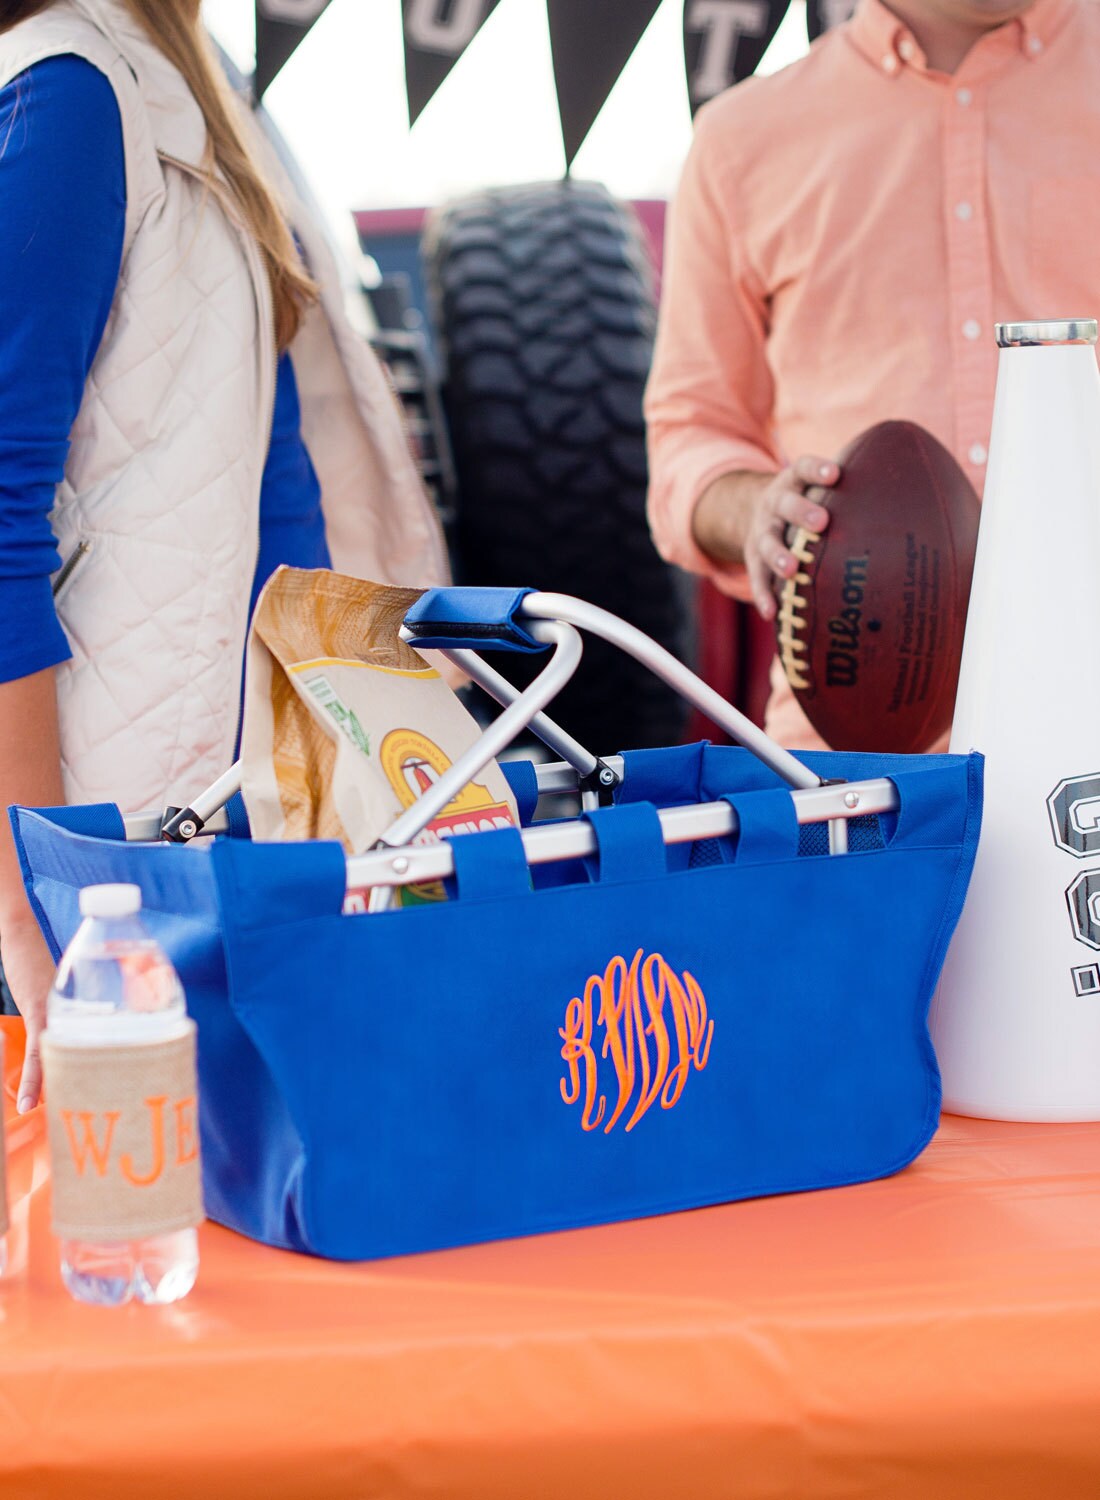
175, 27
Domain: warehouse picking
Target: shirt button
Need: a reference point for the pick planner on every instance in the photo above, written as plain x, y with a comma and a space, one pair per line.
972, 329
1034, 45
906, 48
890, 63
963, 97
963, 211
977, 454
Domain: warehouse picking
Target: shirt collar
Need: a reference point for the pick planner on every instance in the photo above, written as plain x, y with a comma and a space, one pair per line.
1042, 20
889, 43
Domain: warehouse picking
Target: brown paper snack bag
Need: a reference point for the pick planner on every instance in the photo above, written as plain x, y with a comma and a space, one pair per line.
345, 725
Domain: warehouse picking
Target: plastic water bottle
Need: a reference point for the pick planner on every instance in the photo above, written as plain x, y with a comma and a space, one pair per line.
116, 987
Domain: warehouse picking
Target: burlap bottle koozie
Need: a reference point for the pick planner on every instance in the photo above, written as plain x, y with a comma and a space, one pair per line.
123, 1132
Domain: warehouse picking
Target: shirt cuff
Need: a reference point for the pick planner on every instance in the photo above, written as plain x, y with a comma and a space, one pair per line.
31, 638
672, 506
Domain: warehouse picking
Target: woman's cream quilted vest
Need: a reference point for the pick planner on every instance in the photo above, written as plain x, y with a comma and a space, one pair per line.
158, 511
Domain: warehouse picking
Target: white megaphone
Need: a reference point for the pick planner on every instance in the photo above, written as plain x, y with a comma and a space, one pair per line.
1016, 1019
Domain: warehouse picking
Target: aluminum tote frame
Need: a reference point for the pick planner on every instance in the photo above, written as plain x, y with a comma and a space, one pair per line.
555, 620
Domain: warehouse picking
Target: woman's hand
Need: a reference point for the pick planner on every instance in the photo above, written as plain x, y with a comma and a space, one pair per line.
28, 972
743, 518
30, 774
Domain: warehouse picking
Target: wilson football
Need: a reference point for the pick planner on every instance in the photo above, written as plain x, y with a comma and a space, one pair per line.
870, 628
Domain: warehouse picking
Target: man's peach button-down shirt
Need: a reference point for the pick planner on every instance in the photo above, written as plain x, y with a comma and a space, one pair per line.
845, 235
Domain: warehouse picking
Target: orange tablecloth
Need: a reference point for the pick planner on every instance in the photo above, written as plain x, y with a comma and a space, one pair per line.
933, 1336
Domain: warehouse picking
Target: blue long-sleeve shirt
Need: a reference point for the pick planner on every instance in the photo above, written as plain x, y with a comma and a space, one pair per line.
62, 220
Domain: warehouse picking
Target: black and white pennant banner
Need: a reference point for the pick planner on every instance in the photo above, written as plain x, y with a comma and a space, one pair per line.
437, 32
591, 40
280, 26
724, 40
592, 44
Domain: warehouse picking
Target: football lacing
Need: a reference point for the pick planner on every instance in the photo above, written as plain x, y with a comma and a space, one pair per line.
792, 605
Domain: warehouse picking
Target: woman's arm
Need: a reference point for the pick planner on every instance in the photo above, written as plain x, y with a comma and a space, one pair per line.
30, 774
62, 218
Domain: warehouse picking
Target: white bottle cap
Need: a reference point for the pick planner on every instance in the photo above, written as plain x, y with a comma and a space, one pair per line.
110, 900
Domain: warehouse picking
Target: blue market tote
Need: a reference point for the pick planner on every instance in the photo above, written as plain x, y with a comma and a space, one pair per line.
651, 1027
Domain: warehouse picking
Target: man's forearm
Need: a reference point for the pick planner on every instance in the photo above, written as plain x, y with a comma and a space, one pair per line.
744, 518
30, 773
720, 521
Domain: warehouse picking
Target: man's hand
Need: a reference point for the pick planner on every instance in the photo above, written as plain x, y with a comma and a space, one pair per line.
28, 972
743, 518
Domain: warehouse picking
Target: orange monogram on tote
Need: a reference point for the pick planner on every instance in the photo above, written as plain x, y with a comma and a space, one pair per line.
654, 1031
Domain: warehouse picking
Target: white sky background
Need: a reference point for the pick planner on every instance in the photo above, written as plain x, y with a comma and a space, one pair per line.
340, 103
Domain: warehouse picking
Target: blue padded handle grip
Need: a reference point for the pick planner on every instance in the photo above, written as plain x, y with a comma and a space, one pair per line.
471, 619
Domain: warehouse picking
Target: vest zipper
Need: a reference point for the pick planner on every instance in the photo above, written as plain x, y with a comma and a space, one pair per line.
69, 566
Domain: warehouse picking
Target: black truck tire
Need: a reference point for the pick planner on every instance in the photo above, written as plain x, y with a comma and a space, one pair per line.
542, 299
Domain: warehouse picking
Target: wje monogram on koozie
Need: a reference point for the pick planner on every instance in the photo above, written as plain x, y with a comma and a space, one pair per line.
91, 1134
